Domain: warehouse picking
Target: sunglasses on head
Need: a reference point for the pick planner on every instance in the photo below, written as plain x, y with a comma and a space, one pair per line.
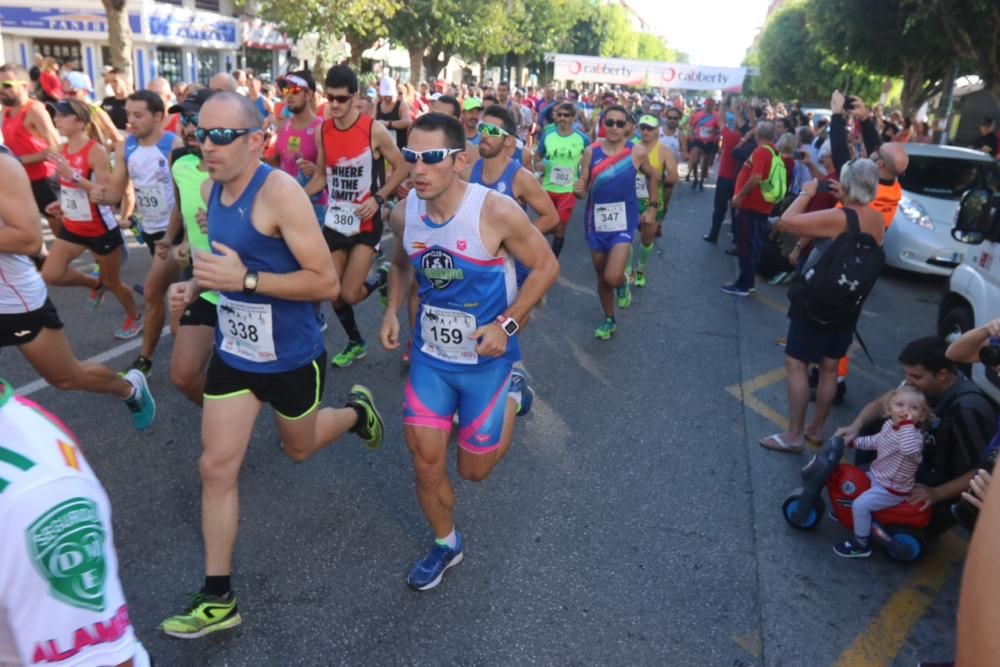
223, 136
339, 99
491, 130
615, 123
430, 156
189, 119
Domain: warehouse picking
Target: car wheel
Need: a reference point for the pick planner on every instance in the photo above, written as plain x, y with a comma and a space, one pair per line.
956, 322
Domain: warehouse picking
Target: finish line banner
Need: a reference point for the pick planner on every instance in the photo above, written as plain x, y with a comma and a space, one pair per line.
638, 73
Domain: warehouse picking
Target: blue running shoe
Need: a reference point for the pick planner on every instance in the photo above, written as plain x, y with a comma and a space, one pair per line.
519, 383
427, 573
141, 405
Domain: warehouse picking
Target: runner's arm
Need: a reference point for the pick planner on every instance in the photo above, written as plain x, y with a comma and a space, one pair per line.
670, 170
522, 240
583, 183
384, 143
21, 233
112, 193
640, 156
402, 124
281, 206
401, 274
529, 190
38, 120
318, 180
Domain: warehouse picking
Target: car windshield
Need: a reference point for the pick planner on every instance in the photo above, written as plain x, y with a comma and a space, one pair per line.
947, 178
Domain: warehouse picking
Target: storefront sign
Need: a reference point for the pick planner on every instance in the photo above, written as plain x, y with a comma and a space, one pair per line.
639, 73
258, 34
175, 24
65, 21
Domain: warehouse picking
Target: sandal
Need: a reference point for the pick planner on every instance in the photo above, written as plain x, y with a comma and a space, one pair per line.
813, 440
775, 443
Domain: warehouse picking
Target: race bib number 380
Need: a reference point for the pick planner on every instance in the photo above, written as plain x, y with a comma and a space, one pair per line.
342, 217
67, 547
247, 330
447, 335
610, 217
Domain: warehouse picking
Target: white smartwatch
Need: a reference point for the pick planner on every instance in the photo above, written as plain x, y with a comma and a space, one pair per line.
508, 325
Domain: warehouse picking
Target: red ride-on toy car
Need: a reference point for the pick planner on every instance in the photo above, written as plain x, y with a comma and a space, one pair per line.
899, 530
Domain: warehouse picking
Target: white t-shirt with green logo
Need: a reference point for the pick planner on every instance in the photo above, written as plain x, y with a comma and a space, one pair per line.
61, 601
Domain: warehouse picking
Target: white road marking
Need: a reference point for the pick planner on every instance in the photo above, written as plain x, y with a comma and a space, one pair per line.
108, 355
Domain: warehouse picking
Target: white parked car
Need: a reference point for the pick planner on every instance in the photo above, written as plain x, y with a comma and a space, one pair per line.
920, 236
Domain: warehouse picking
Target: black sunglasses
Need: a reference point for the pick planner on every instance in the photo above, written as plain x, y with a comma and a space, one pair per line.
222, 136
339, 99
615, 123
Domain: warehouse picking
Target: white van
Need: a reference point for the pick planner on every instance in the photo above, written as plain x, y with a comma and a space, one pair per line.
973, 295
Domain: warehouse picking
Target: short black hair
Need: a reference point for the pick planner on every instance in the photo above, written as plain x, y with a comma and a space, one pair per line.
489, 98
928, 352
452, 102
454, 135
153, 101
619, 108
566, 107
342, 76
504, 115
987, 121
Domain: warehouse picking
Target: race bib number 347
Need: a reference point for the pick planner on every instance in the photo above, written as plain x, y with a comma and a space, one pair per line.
610, 217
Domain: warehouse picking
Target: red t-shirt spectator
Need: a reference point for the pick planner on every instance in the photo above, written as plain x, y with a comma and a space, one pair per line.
759, 164
727, 163
51, 85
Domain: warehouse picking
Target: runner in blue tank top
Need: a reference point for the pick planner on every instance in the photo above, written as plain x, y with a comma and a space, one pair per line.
513, 180
608, 170
459, 239
270, 266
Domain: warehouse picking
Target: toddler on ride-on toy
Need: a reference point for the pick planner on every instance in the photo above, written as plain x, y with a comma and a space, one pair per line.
899, 445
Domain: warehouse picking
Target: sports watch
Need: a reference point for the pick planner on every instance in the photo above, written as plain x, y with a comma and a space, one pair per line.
508, 325
379, 199
250, 282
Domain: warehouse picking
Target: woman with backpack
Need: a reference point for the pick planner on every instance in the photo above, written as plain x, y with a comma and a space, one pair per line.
826, 300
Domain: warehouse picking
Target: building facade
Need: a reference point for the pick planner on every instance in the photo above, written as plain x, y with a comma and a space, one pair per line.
180, 40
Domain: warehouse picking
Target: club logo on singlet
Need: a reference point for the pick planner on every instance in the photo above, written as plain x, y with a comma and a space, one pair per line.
439, 268
67, 545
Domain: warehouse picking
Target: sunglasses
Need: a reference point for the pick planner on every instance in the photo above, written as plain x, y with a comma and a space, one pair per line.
615, 123
564, 115
430, 156
647, 127
189, 119
491, 130
13, 83
339, 99
674, 118
222, 136
291, 90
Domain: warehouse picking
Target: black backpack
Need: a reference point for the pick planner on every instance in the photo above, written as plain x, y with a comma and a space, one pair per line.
832, 292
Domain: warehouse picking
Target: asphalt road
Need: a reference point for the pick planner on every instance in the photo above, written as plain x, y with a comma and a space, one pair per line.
634, 521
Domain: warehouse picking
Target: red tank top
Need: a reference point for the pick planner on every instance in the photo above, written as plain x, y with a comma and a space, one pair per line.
173, 123
22, 142
80, 216
352, 172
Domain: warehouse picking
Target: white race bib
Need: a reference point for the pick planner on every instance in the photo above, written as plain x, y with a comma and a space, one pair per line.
562, 175
247, 330
151, 200
641, 186
75, 204
610, 217
447, 335
343, 217
705, 132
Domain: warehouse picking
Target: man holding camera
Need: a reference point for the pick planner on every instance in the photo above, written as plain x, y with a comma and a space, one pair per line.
966, 421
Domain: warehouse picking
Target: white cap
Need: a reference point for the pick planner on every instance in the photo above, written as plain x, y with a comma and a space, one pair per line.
435, 97
386, 88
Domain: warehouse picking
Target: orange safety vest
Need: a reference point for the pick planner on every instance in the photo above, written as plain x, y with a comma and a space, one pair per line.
887, 200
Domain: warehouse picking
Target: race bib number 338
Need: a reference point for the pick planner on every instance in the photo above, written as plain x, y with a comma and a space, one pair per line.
247, 330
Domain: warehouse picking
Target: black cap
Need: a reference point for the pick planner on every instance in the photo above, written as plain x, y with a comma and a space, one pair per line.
192, 103
302, 78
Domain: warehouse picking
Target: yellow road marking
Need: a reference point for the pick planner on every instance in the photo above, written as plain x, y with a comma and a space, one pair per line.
882, 640
770, 304
744, 393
